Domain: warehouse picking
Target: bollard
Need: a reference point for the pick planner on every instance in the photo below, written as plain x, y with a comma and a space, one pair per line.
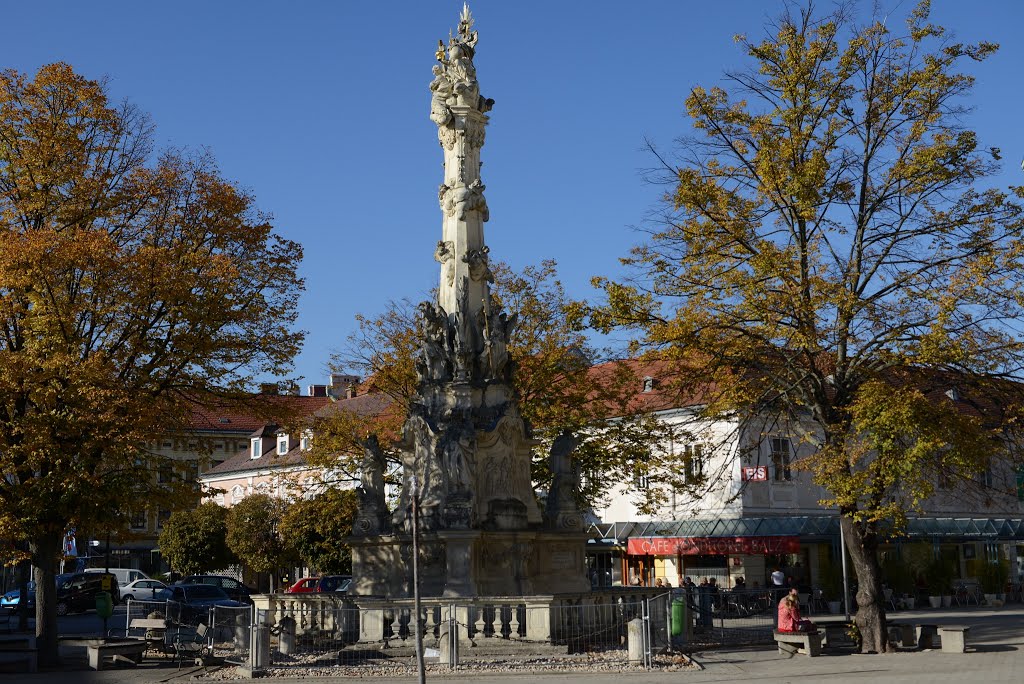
287, 643
449, 644
259, 648
635, 640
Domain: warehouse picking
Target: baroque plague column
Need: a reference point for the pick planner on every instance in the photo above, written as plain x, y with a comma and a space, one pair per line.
466, 450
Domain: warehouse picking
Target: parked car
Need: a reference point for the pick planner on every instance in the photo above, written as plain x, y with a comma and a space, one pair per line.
232, 587
142, 590
125, 576
11, 599
76, 591
336, 584
194, 601
306, 585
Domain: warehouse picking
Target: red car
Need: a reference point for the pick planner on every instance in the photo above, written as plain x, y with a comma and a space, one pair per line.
306, 585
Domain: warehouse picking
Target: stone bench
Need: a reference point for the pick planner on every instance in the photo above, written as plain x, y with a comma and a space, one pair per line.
954, 638
903, 634
791, 643
130, 651
926, 635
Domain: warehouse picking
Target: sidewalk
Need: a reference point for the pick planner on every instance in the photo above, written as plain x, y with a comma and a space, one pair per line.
996, 654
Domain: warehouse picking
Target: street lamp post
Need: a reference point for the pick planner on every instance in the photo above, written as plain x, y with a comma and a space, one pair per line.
842, 550
420, 667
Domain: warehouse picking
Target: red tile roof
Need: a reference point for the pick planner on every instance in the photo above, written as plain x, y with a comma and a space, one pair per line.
253, 413
363, 405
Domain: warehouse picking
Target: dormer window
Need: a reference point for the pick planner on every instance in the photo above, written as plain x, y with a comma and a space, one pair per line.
256, 447
306, 441
648, 384
282, 444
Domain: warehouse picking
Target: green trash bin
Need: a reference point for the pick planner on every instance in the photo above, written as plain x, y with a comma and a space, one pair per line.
104, 604
679, 616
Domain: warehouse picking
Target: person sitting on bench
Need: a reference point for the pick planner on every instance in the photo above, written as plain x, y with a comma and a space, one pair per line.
789, 615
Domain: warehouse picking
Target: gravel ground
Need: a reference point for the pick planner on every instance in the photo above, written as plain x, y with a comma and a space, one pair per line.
307, 667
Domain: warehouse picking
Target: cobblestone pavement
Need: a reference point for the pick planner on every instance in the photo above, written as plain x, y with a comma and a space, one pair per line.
995, 654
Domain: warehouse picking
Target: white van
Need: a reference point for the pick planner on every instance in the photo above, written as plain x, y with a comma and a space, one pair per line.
124, 575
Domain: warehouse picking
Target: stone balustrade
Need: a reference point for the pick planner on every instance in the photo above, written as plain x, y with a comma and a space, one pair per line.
555, 618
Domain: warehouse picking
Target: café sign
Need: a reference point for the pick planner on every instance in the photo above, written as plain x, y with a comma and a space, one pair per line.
723, 546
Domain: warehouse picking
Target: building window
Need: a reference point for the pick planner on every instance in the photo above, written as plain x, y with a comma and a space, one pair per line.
306, 441
782, 457
944, 478
282, 445
165, 474
693, 462
161, 517
985, 478
139, 521
237, 493
641, 479
257, 448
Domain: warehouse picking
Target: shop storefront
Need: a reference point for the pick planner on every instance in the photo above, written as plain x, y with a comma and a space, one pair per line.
806, 549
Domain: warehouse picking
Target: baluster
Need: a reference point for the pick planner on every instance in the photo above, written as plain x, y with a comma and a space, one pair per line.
513, 623
435, 617
478, 621
391, 626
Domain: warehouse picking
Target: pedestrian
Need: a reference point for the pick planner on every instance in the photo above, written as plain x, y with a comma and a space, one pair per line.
704, 599
789, 619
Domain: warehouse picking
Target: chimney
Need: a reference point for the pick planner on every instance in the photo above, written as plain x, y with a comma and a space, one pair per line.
268, 388
317, 390
350, 391
340, 383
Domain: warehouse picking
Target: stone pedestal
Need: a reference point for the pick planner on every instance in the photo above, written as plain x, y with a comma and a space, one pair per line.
459, 580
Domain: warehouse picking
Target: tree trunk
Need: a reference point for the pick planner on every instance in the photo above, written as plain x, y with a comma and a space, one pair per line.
23, 578
870, 620
44, 550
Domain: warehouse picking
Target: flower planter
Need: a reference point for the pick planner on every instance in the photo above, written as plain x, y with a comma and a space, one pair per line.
935, 601
947, 601
909, 602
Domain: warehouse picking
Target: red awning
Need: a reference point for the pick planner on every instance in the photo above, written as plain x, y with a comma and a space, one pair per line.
692, 546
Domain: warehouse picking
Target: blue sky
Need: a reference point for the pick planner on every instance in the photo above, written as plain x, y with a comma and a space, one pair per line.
320, 109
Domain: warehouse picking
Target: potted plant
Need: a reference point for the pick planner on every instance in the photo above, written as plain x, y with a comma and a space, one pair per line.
993, 580
938, 581
899, 579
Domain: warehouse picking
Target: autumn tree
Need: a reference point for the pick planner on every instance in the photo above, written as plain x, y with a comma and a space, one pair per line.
254, 534
317, 528
132, 287
557, 387
195, 541
832, 256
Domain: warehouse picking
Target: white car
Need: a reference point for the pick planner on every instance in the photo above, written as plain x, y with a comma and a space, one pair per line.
141, 589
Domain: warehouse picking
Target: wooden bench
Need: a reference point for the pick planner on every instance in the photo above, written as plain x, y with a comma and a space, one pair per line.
791, 643
130, 651
155, 631
954, 638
